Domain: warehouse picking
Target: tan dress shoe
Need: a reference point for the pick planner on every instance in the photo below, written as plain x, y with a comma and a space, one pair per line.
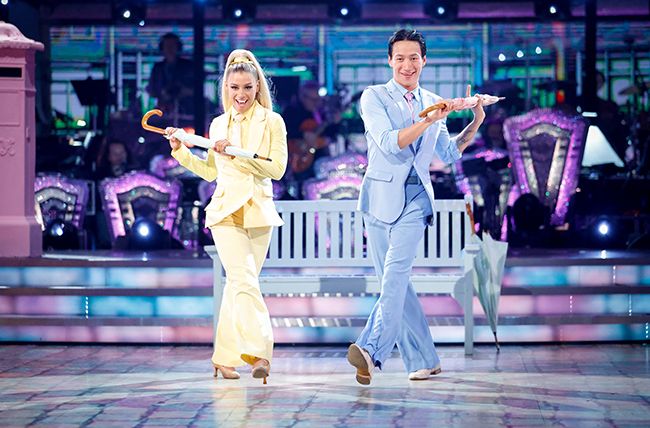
359, 358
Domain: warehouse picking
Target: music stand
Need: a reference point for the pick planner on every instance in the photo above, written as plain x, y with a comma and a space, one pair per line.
93, 92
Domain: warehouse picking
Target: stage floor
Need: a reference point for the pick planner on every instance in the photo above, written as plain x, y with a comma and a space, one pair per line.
146, 386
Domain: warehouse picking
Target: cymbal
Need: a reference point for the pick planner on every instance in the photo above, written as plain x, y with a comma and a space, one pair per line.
635, 89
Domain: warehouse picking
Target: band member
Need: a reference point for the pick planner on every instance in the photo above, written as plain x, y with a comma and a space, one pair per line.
309, 131
242, 214
171, 81
397, 201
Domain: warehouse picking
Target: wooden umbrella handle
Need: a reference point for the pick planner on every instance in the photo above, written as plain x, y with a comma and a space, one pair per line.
429, 109
148, 127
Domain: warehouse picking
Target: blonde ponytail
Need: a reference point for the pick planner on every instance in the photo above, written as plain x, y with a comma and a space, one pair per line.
242, 60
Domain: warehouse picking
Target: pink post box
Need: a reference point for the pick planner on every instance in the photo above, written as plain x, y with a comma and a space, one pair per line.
20, 234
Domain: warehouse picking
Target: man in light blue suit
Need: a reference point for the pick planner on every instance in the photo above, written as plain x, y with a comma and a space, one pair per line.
397, 201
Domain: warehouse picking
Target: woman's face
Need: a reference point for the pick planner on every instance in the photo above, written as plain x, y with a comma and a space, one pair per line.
242, 89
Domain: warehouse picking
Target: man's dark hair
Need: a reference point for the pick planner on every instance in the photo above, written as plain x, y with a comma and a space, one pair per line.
410, 36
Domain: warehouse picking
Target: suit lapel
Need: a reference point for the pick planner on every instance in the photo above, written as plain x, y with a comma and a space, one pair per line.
399, 100
221, 127
427, 100
256, 129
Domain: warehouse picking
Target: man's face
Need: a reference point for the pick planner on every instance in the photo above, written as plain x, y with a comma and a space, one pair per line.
407, 62
116, 154
170, 49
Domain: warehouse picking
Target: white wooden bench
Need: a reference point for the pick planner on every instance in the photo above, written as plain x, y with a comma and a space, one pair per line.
322, 244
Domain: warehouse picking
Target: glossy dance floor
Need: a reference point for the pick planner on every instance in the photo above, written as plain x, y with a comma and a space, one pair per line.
123, 386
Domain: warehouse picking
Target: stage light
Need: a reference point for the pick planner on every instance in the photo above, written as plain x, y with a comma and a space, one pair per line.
538, 50
141, 23
130, 11
441, 10
603, 228
238, 10
555, 10
520, 54
60, 235
146, 234
4, 2
344, 10
143, 230
502, 57
322, 91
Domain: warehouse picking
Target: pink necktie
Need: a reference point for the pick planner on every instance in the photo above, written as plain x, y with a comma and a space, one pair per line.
409, 102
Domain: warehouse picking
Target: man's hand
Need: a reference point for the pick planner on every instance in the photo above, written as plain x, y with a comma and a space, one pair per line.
439, 114
477, 110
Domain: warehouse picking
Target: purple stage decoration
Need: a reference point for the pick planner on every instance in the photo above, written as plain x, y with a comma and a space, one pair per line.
168, 167
546, 148
334, 188
486, 175
139, 194
59, 197
349, 163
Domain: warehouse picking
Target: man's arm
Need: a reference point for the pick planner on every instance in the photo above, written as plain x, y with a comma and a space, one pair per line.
464, 139
378, 124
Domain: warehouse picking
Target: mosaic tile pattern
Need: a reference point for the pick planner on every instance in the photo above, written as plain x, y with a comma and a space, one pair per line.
149, 386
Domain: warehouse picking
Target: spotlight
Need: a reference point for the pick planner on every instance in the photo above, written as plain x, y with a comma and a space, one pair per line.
130, 11
4, 2
146, 234
502, 57
233, 10
538, 50
344, 10
553, 10
441, 10
60, 235
520, 54
143, 230
603, 228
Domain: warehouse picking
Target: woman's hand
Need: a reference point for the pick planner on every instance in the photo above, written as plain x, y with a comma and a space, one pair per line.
173, 142
220, 147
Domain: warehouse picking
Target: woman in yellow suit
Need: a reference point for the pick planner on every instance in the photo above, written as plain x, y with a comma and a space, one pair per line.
241, 214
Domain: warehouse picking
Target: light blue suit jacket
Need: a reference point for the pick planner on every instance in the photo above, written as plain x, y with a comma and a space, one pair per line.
384, 112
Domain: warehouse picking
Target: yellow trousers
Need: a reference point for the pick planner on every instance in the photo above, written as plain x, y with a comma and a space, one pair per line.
244, 326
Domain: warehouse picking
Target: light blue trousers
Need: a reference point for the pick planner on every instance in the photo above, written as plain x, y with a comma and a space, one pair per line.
397, 317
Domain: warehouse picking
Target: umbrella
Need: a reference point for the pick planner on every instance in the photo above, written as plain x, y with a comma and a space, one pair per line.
488, 264
196, 140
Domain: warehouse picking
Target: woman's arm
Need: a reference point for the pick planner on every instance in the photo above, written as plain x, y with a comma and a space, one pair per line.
276, 168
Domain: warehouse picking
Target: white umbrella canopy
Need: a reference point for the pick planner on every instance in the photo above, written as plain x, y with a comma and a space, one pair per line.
489, 263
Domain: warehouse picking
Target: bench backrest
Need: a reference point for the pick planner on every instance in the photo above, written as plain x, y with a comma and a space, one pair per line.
331, 233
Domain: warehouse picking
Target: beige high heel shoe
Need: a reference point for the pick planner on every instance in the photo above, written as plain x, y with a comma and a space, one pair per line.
226, 372
261, 367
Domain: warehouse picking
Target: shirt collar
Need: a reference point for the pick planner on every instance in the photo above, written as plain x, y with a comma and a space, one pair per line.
248, 114
402, 90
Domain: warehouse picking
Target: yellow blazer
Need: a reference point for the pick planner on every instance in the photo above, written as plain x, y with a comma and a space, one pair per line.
241, 180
